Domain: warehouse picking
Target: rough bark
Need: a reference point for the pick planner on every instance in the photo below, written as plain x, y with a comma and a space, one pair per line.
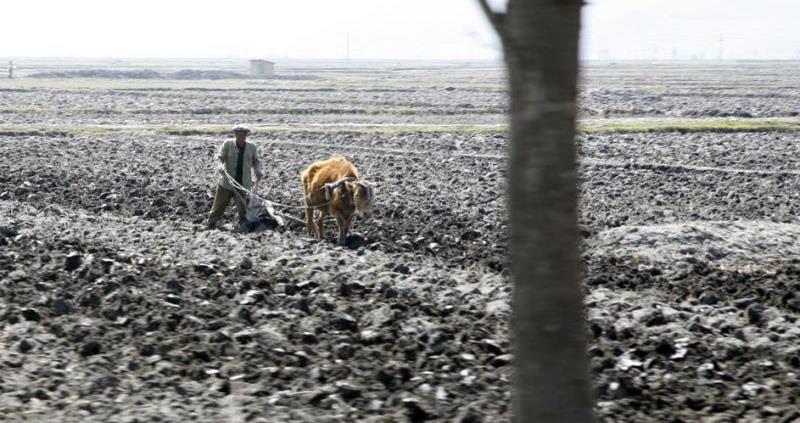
540, 39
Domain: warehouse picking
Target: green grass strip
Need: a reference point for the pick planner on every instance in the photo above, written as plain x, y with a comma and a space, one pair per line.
612, 126
690, 126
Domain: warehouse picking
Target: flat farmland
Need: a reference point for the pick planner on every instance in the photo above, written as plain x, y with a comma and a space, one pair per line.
117, 303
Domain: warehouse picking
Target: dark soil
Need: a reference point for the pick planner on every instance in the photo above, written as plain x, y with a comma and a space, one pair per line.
116, 304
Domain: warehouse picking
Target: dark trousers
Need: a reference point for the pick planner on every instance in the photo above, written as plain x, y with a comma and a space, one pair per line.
222, 198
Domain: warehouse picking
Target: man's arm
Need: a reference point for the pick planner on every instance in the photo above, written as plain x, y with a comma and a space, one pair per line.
257, 164
222, 155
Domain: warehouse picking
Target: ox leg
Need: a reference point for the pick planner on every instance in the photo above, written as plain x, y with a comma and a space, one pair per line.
349, 224
344, 229
310, 221
321, 225
341, 224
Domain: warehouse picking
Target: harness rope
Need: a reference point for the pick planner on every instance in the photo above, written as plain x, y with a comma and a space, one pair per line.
238, 187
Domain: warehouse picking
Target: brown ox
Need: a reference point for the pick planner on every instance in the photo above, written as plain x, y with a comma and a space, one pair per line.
332, 187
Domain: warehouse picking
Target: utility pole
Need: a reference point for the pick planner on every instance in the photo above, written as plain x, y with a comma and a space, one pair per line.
10, 69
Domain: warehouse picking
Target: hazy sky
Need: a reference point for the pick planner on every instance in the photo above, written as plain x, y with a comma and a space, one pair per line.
644, 29
385, 29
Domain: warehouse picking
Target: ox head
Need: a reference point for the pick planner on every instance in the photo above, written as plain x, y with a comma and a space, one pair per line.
363, 196
352, 191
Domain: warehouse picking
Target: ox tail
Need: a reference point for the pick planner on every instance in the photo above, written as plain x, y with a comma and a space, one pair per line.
306, 177
305, 180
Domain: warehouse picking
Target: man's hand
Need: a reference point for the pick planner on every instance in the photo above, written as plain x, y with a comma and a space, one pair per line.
259, 176
221, 170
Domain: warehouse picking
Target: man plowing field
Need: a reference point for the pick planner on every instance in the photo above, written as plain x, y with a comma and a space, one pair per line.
238, 158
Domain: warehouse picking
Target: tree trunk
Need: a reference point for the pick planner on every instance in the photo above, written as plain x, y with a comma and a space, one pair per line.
540, 39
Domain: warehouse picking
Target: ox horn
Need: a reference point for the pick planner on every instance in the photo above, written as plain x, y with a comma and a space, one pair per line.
370, 191
328, 188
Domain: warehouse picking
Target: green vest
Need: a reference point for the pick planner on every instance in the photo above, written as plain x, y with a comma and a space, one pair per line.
229, 154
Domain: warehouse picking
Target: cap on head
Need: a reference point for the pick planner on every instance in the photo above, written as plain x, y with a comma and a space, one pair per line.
241, 129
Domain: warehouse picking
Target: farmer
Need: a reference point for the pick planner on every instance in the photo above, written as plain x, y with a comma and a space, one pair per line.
236, 158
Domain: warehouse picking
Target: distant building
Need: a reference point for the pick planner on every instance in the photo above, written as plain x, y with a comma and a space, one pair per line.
261, 68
